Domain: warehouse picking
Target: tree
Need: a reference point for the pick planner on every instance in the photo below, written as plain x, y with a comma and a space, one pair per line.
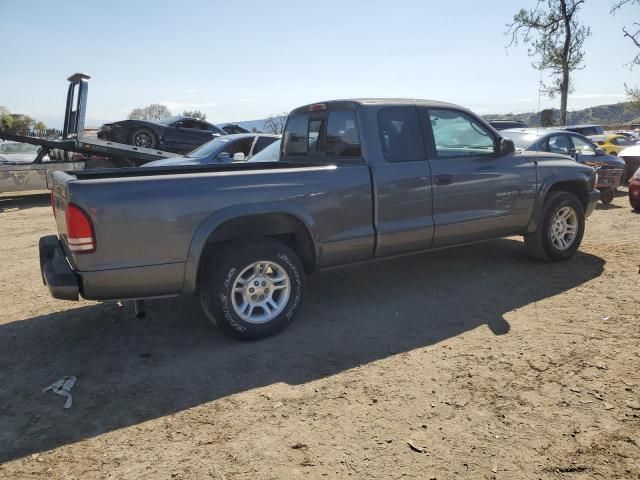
546, 118
633, 94
3, 111
556, 38
17, 123
634, 34
275, 123
195, 114
154, 111
40, 126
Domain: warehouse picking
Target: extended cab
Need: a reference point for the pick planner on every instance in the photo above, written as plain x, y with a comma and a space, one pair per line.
357, 180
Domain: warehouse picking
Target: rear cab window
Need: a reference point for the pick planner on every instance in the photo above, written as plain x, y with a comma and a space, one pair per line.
324, 133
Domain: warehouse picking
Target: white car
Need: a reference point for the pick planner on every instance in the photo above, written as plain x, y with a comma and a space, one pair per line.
631, 157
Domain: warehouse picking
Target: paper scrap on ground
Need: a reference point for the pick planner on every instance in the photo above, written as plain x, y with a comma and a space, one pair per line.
63, 388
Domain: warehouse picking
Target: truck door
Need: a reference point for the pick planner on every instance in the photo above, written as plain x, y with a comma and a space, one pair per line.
402, 180
478, 193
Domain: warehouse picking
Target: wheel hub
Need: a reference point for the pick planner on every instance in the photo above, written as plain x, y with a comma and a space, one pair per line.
564, 228
261, 292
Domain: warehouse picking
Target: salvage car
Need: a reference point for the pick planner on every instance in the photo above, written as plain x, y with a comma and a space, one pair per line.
504, 124
611, 170
634, 190
232, 128
612, 144
239, 147
585, 130
356, 180
25, 167
631, 158
172, 134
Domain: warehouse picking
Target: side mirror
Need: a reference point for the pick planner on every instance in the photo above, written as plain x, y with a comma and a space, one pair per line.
507, 146
178, 125
600, 152
239, 157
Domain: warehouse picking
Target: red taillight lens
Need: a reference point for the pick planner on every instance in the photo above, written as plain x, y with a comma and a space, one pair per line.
80, 235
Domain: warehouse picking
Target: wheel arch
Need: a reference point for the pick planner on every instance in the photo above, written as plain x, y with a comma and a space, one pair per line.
280, 221
579, 186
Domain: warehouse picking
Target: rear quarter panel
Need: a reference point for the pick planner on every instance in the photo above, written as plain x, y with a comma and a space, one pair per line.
152, 220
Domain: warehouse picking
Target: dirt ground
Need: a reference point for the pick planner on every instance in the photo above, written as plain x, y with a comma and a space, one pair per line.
476, 362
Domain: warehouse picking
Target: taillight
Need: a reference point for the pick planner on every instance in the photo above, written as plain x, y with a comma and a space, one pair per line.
80, 235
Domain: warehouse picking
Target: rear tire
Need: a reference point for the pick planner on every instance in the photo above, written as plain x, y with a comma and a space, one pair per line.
254, 290
144, 138
560, 231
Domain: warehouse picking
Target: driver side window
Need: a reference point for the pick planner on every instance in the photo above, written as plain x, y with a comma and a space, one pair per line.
582, 146
559, 144
456, 134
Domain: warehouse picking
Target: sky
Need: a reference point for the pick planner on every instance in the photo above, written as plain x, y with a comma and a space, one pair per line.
245, 60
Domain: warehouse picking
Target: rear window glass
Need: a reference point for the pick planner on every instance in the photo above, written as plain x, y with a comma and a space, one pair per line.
342, 134
315, 135
296, 135
400, 134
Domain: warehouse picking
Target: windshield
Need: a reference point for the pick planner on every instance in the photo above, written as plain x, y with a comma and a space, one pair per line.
208, 148
522, 140
9, 148
167, 120
269, 154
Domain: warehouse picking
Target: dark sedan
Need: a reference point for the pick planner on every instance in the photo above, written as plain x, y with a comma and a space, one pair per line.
574, 145
173, 134
238, 147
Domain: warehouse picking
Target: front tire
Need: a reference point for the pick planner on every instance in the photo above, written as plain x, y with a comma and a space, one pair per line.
254, 291
607, 195
560, 232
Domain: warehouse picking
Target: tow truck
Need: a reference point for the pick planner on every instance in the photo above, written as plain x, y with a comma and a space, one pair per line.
72, 152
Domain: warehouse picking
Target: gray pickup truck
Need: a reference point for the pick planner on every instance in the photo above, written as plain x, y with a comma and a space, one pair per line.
357, 180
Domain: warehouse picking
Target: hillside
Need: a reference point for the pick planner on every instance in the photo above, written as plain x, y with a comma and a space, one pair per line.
617, 113
613, 114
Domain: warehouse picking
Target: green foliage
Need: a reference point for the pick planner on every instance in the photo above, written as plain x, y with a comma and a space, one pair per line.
546, 118
18, 123
154, 111
195, 114
633, 93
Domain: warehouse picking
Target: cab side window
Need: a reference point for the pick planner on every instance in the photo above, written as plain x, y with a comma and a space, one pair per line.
456, 134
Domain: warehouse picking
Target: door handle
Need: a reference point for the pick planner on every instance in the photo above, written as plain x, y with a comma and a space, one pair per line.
444, 179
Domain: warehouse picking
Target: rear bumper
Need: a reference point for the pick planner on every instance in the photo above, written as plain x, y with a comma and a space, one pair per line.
57, 275
594, 196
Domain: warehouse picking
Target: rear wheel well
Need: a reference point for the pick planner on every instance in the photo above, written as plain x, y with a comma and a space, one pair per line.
576, 188
283, 227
